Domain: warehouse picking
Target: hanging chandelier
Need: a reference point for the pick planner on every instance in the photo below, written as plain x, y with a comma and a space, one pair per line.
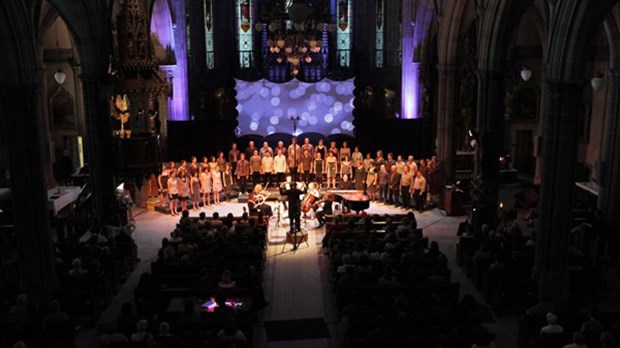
295, 37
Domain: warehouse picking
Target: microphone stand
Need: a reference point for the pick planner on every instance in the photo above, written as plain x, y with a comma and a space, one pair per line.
295, 119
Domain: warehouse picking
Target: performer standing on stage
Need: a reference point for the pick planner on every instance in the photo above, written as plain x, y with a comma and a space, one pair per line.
293, 191
242, 171
233, 156
279, 165
162, 181
216, 177
331, 166
308, 147
206, 186
305, 167
255, 163
318, 167
294, 157
267, 164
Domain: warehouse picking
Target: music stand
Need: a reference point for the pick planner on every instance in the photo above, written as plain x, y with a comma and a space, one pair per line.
295, 238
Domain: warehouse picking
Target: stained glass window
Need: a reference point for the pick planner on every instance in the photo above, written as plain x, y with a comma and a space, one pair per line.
244, 33
210, 49
379, 38
343, 46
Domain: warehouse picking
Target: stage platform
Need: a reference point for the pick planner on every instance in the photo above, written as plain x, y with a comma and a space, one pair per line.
279, 226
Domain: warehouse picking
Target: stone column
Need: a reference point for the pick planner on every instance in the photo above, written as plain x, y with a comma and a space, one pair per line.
490, 133
609, 197
446, 112
563, 105
98, 145
32, 226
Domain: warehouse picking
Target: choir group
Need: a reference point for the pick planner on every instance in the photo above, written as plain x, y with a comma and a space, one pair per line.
388, 179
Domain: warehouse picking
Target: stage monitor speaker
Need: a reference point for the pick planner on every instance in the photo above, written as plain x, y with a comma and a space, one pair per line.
243, 198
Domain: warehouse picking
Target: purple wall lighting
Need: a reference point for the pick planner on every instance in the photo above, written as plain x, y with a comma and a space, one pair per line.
412, 36
174, 67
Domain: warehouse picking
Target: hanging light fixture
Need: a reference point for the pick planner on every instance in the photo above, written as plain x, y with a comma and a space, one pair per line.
59, 75
597, 82
297, 42
526, 74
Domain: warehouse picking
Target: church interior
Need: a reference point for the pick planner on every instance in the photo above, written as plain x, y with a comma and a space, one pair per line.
310, 173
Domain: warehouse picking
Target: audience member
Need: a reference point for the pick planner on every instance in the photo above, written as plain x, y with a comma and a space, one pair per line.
552, 325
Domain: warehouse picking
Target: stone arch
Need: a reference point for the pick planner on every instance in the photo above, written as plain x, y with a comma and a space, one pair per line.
496, 28
18, 61
89, 24
572, 24
452, 21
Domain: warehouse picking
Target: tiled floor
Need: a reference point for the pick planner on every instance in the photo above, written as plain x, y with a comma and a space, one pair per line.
296, 283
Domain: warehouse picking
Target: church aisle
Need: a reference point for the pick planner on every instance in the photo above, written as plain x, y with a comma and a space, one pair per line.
297, 286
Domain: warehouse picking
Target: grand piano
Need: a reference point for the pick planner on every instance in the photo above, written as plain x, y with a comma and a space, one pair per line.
354, 200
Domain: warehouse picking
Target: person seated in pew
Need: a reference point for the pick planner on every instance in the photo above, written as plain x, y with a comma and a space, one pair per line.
230, 336
552, 325
164, 338
226, 281
579, 341
142, 335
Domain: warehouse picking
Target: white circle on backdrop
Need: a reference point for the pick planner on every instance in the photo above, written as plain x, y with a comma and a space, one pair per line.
271, 129
254, 126
336, 131
275, 90
278, 112
303, 123
344, 125
264, 92
275, 101
255, 116
311, 106
274, 120
321, 97
313, 120
305, 115
338, 106
329, 118
330, 100
341, 89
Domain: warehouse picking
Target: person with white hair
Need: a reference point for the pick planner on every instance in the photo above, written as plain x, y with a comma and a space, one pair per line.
552, 325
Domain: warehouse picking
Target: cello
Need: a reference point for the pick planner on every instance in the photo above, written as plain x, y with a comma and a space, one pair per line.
310, 198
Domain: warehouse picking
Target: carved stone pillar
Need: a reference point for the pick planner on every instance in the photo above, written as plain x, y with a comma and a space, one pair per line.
490, 132
98, 145
446, 112
563, 105
32, 227
609, 199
